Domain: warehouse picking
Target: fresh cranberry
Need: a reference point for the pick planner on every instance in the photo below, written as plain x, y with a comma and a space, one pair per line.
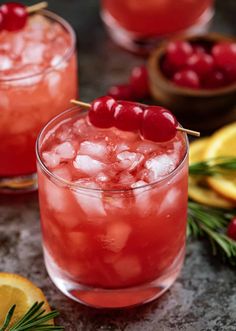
214, 80
158, 124
121, 92
14, 16
187, 78
231, 231
139, 82
201, 63
127, 116
230, 73
199, 49
167, 68
101, 112
225, 54
178, 53
1, 20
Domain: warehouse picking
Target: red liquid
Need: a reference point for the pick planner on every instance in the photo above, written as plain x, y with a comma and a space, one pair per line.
37, 53
106, 239
156, 17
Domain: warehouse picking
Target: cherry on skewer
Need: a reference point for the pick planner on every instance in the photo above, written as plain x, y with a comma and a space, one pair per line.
166, 129
13, 15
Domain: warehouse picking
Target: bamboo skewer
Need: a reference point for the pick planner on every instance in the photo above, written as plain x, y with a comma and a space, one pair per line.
37, 7
88, 106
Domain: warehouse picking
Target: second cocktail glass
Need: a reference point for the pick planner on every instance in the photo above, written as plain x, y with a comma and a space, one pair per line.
139, 24
38, 77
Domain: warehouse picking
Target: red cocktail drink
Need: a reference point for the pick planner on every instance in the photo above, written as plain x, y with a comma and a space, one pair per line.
113, 211
38, 75
136, 24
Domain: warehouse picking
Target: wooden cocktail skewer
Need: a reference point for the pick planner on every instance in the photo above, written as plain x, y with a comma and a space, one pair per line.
88, 106
36, 7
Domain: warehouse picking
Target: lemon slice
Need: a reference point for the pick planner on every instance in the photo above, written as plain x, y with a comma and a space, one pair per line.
223, 143
15, 289
199, 189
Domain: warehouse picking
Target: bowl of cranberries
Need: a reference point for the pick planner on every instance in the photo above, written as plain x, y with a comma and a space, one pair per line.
195, 77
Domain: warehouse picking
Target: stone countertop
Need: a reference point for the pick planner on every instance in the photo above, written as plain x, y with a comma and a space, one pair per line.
204, 296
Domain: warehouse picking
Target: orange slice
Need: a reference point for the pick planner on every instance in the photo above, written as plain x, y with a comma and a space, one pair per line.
15, 289
223, 143
199, 189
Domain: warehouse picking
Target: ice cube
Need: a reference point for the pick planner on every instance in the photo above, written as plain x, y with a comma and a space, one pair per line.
126, 179
116, 237
146, 147
78, 242
102, 177
83, 129
53, 80
5, 62
65, 151
51, 159
129, 160
90, 201
128, 267
18, 45
63, 172
33, 53
29, 74
94, 149
58, 62
171, 199
122, 147
159, 166
142, 197
56, 196
88, 165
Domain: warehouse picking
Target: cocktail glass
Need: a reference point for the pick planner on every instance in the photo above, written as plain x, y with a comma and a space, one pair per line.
109, 247
32, 93
138, 25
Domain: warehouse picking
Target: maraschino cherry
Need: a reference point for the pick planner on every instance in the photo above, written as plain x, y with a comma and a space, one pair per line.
200, 66
127, 115
153, 122
178, 53
121, 92
101, 112
14, 16
231, 231
139, 82
187, 78
136, 89
158, 124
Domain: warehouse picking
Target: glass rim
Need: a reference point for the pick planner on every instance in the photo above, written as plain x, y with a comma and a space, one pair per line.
75, 186
68, 52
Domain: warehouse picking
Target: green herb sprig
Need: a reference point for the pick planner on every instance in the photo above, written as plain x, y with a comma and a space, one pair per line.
211, 223
215, 166
34, 319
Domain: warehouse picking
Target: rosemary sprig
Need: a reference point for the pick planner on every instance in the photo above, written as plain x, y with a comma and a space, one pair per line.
215, 166
212, 223
33, 320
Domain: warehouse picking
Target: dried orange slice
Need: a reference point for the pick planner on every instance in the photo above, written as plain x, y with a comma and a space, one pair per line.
15, 289
199, 189
223, 143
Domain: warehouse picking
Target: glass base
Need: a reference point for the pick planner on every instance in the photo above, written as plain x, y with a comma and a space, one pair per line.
113, 298
144, 45
18, 184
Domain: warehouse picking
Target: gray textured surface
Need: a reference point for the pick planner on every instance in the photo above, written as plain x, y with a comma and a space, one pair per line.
203, 298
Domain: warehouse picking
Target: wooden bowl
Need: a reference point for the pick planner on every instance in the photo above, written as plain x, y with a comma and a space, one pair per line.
199, 109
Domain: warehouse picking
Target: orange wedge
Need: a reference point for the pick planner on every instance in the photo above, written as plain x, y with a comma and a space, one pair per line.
15, 289
223, 143
199, 189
